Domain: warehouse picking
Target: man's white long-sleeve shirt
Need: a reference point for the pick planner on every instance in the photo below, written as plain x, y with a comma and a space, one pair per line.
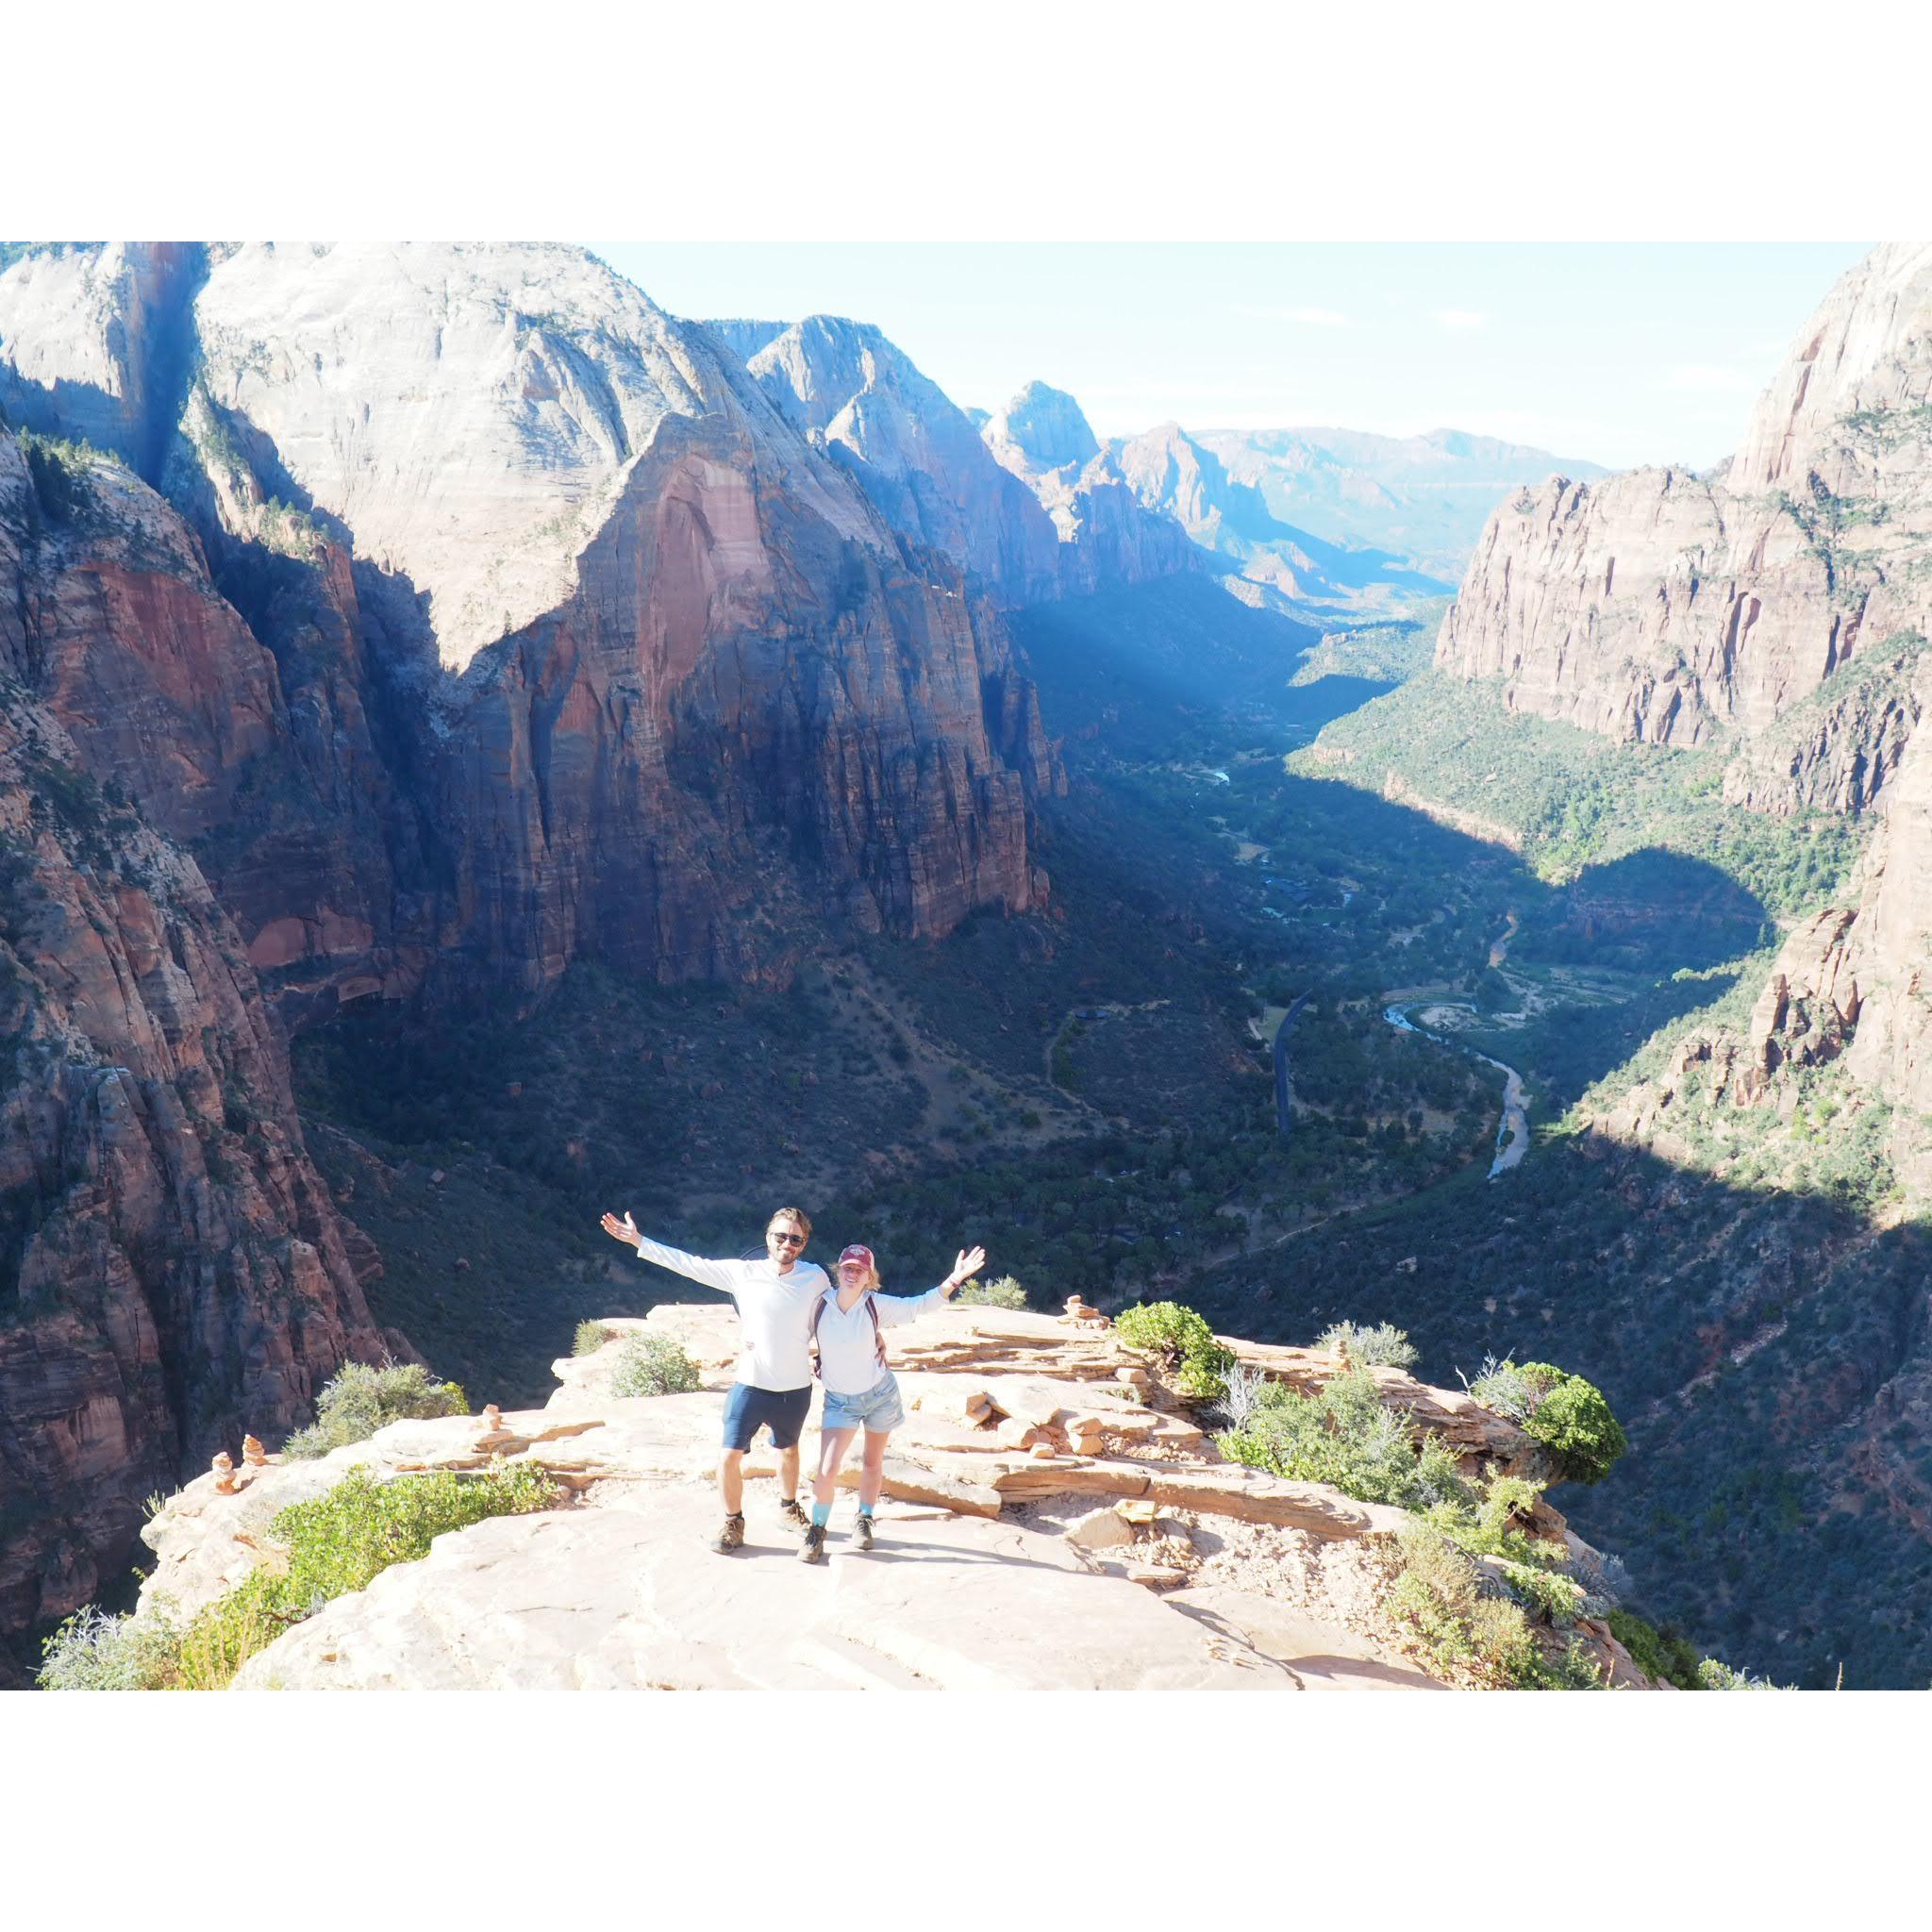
848, 1348
773, 1310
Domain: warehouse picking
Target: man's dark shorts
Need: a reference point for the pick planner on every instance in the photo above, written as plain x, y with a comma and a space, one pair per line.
748, 1410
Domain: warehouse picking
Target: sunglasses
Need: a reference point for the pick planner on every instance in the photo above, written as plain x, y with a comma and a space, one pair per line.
794, 1241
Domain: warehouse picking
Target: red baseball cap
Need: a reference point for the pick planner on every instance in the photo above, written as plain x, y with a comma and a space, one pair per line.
856, 1252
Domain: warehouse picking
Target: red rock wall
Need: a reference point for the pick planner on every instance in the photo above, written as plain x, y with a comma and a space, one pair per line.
175, 1272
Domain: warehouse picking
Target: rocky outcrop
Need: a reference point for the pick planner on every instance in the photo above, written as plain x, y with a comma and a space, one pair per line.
1837, 750
1667, 607
259, 757
1110, 537
1011, 1554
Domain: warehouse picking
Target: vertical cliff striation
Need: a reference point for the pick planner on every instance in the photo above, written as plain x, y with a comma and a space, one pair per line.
913, 452
175, 1270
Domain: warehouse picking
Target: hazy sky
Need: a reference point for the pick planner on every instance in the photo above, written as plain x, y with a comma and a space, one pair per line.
1621, 352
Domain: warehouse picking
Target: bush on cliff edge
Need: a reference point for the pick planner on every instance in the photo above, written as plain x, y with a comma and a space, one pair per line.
1004, 1293
1564, 1412
360, 1400
1182, 1342
333, 1544
653, 1365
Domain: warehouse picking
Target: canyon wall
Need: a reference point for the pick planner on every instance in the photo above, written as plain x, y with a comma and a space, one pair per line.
1667, 607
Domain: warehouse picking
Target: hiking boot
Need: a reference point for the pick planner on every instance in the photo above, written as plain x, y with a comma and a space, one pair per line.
731, 1536
812, 1550
863, 1539
792, 1514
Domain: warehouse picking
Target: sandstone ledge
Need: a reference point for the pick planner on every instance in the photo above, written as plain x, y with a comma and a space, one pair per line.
1153, 1564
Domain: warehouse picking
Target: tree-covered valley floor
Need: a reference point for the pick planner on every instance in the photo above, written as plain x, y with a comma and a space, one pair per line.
1092, 1094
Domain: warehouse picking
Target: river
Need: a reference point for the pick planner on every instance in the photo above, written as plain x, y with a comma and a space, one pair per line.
1512, 1130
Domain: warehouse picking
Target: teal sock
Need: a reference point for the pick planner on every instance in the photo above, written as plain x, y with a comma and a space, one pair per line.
865, 1509
820, 1514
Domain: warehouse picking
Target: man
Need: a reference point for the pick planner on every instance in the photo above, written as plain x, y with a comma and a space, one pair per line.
774, 1300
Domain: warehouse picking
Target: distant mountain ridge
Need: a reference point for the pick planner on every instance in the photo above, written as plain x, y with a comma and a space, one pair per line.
1313, 521
1017, 510
1423, 498
1232, 516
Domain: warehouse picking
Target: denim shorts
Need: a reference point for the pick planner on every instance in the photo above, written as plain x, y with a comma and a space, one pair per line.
877, 1409
748, 1410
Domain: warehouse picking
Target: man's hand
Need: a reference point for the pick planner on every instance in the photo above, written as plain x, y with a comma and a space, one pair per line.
625, 1230
970, 1261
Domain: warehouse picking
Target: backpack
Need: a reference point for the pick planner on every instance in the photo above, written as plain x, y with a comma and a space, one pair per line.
878, 1338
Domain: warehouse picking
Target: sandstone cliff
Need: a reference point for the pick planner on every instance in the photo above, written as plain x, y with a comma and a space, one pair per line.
1667, 608
1046, 1524
174, 1268
1110, 536
913, 452
581, 644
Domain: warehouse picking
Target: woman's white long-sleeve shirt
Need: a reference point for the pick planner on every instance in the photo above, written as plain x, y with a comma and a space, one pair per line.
774, 1311
848, 1353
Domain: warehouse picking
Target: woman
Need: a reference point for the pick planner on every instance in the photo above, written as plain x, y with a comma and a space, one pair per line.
860, 1392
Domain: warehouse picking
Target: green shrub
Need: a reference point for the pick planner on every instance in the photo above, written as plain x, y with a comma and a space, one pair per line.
1575, 1423
337, 1542
1670, 1659
1497, 1524
1345, 1435
1562, 1412
1384, 1346
59, 471
1713, 1676
226, 1634
1183, 1343
1439, 1593
1004, 1293
590, 1337
92, 1651
653, 1365
361, 1400
1507, 1389
1552, 1597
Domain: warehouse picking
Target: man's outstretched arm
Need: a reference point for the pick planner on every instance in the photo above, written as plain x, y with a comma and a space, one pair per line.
694, 1267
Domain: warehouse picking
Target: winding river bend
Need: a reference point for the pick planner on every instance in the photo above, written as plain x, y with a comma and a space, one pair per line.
1512, 1130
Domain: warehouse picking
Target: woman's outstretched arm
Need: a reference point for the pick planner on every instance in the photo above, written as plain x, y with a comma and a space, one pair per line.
893, 1309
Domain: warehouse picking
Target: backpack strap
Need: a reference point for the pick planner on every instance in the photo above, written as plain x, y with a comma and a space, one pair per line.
878, 1334
818, 1363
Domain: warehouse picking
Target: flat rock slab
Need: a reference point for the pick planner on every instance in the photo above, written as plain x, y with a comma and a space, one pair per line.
591, 1599
1321, 1655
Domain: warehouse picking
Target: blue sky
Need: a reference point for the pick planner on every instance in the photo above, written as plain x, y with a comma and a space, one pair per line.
1621, 353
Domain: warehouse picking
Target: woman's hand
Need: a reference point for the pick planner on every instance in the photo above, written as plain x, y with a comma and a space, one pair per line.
625, 1230
970, 1261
